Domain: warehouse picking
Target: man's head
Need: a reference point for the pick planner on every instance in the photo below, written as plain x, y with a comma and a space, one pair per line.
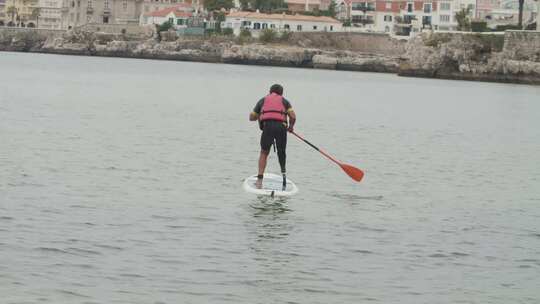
276, 88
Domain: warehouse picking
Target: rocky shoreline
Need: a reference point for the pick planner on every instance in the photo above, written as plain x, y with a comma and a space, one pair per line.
497, 58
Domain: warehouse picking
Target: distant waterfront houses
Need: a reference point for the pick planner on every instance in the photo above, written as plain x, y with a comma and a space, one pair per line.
407, 17
81, 12
403, 16
256, 21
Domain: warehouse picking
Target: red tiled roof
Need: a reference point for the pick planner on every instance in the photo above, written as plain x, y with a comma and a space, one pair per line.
178, 10
255, 15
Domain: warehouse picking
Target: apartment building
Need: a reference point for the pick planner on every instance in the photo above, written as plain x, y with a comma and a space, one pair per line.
404, 17
81, 12
50, 14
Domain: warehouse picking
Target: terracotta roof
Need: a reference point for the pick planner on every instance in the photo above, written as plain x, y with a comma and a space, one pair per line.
311, 2
178, 10
254, 15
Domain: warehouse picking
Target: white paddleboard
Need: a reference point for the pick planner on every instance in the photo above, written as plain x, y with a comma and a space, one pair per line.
272, 185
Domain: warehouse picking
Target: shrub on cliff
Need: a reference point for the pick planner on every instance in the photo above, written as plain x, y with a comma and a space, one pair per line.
504, 27
462, 19
227, 31
285, 36
245, 33
479, 26
268, 36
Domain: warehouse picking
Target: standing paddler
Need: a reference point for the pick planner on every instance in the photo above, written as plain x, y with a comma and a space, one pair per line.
272, 112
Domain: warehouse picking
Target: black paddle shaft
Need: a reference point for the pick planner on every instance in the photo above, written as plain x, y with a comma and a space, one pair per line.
307, 142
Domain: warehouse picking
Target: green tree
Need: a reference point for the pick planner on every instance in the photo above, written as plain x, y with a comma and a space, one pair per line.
215, 5
12, 11
462, 19
268, 36
165, 26
332, 9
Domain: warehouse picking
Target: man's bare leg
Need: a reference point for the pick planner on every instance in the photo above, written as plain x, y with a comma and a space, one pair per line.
262, 166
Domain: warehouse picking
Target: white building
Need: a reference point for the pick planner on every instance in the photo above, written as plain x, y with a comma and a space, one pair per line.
50, 14
256, 22
445, 18
177, 15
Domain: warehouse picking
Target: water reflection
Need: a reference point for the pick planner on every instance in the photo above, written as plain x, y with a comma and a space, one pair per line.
271, 226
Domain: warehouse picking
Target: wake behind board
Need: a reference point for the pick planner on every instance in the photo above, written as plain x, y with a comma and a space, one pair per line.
272, 185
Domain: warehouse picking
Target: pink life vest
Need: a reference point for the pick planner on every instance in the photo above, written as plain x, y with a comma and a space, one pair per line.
273, 108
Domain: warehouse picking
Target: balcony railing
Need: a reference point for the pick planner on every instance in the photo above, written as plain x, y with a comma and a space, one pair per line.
363, 8
404, 19
363, 21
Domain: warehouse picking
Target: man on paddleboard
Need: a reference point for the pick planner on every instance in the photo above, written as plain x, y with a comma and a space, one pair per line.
272, 112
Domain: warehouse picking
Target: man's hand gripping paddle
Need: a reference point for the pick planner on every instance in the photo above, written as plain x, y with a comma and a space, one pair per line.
353, 172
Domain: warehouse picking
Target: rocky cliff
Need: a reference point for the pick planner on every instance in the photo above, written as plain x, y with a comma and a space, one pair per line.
483, 57
509, 57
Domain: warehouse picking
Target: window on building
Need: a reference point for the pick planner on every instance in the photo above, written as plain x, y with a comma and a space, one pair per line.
125, 5
427, 8
445, 6
89, 3
314, 27
388, 18
331, 28
106, 4
299, 27
179, 21
105, 19
171, 20
272, 26
256, 26
246, 23
387, 29
410, 7
444, 18
426, 20
264, 26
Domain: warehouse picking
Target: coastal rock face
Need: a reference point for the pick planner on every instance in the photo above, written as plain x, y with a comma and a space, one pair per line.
512, 57
351, 61
471, 56
268, 55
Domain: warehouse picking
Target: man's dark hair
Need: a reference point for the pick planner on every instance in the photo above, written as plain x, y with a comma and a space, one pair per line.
276, 88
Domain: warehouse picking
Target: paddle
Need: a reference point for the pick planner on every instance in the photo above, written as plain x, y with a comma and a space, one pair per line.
353, 172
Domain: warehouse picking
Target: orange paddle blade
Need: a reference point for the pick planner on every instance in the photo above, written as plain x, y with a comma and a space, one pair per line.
353, 172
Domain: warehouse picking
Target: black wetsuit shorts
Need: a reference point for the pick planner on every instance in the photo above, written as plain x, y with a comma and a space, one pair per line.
274, 130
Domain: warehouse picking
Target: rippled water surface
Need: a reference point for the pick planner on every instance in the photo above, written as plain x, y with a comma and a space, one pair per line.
120, 182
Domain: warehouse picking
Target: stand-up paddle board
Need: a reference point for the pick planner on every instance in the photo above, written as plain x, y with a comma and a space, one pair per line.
272, 185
